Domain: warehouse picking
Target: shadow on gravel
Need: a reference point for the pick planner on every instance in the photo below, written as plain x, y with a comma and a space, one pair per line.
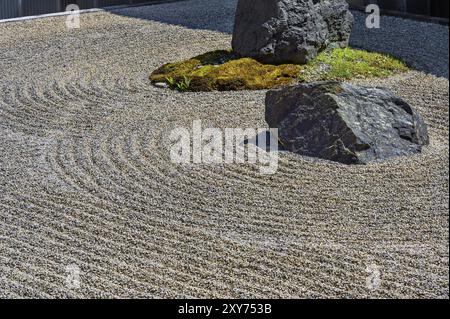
193, 14
423, 46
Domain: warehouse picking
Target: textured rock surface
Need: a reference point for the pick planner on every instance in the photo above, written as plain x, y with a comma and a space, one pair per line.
290, 31
345, 123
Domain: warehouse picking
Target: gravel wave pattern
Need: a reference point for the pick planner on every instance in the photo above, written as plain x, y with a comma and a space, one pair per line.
86, 180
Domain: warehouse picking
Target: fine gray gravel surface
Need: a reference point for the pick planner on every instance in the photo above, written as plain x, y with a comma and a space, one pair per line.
88, 192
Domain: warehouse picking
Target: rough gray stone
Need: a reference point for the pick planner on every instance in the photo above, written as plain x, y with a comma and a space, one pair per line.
290, 31
345, 123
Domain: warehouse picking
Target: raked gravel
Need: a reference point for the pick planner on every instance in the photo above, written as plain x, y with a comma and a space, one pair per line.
86, 180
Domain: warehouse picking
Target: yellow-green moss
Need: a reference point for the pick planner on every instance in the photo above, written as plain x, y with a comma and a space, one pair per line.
222, 70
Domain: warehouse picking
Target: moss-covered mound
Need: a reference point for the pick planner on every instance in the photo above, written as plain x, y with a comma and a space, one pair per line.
345, 64
223, 71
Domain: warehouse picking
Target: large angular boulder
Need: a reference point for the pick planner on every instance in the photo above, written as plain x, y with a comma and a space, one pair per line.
345, 123
290, 31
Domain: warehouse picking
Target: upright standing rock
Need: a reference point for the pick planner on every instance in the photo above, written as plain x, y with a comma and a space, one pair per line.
290, 31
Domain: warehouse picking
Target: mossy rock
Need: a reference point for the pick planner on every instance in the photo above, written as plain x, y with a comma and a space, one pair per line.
224, 71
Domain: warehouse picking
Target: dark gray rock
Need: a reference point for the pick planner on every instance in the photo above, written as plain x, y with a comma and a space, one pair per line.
345, 123
290, 31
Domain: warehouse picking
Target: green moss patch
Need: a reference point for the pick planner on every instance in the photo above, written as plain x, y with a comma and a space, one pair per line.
224, 71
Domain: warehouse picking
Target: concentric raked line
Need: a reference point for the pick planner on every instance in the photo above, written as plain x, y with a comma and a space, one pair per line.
151, 164
96, 254
116, 275
262, 205
134, 192
56, 270
34, 110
